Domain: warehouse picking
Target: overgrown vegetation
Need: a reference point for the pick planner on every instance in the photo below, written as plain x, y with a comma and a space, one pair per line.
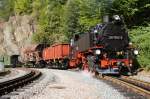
135, 12
141, 38
58, 20
6, 9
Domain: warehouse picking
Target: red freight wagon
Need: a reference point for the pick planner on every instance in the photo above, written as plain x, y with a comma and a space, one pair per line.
61, 50
51, 53
57, 56
46, 55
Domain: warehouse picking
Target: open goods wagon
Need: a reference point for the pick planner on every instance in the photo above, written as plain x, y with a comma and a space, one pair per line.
57, 56
32, 55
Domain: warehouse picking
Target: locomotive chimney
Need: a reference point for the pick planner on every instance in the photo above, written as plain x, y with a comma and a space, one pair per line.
105, 18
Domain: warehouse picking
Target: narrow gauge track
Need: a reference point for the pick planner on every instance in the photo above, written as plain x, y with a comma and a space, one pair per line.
11, 85
5, 73
137, 86
136, 82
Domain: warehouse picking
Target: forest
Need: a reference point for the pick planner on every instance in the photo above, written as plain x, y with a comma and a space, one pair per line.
58, 20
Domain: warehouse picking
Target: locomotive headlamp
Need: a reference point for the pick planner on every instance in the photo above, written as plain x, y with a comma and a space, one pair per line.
95, 31
136, 52
116, 17
118, 63
98, 52
130, 43
130, 65
123, 64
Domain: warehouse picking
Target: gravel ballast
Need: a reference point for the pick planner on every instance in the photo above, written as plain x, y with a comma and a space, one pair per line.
36, 87
59, 84
144, 76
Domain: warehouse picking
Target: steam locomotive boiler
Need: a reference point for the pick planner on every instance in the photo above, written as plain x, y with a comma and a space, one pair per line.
106, 49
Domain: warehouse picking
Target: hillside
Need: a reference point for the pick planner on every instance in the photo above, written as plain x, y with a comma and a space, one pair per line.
57, 20
15, 34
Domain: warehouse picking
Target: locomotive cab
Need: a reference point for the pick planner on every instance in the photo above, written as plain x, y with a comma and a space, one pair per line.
114, 57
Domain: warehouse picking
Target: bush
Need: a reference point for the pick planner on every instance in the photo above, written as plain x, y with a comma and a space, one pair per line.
140, 36
23, 6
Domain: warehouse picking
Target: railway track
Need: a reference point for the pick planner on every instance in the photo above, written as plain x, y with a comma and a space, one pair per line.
11, 85
5, 73
131, 85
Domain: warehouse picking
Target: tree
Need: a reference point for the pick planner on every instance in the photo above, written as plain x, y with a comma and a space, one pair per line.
134, 11
49, 15
36, 8
106, 6
71, 18
42, 38
6, 9
90, 13
23, 6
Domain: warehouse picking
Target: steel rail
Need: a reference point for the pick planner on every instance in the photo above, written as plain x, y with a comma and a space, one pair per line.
132, 86
3, 73
143, 84
11, 85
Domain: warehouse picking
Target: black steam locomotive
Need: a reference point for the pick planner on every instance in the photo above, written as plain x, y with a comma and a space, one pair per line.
106, 49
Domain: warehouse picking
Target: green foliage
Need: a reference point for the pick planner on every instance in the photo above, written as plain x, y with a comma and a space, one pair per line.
71, 18
36, 7
42, 38
135, 12
141, 38
106, 6
79, 16
49, 18
23, 6
6, 9
90, 14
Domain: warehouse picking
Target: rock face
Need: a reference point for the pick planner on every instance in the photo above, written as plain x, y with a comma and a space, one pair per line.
16, 34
